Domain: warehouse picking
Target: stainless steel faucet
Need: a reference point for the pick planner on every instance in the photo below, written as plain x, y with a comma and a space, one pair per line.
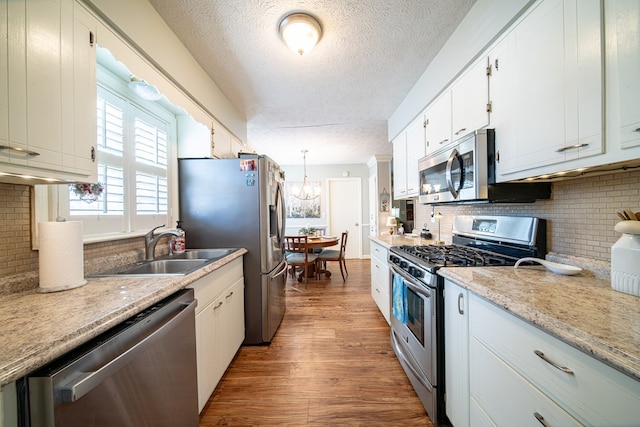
150, 241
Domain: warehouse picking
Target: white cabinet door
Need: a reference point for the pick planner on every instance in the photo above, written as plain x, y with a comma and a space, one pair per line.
81, 153
438, 123
503, 104
221, 141
415, 151
400, 166
207, 352
456, 344
557, 88
625, 24
469, 99
232, 322
195, 139
380, 280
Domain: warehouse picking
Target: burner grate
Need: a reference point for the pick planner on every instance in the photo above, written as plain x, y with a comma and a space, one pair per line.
456, 255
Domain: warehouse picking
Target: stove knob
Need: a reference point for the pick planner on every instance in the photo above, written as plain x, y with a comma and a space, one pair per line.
412, 271
403, 264
394, 259
417, 273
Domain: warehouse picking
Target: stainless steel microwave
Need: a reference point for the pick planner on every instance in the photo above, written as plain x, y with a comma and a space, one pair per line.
464, 172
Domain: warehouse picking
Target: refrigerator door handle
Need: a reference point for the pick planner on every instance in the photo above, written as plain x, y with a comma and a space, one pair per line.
280, 211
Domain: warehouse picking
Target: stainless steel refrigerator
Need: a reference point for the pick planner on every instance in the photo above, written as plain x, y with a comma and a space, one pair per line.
233, 203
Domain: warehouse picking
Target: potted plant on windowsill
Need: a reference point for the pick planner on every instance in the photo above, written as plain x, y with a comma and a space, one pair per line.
309, 231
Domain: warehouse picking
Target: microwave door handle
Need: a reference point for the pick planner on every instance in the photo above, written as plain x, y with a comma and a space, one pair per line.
452, 157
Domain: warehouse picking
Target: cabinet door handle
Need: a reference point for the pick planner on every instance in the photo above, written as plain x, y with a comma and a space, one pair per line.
552, 363
460, 131
540, 419
460, 299
218, 305
18, 151
443, 141
230, 294
637, 130
572, 147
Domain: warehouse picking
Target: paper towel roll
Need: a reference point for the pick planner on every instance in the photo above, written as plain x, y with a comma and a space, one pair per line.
61, 258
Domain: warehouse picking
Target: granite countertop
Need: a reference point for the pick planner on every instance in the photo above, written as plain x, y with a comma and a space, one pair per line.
398, 240
581, 310
38, 327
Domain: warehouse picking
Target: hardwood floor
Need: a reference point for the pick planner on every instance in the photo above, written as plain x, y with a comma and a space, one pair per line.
329, 364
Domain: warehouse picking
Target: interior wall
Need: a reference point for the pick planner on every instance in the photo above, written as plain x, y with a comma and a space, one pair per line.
322, 173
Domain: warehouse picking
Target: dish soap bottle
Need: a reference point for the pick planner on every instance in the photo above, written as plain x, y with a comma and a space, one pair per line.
178, 243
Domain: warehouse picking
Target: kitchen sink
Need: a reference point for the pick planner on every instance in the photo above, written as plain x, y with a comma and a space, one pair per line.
169, 265
202, 254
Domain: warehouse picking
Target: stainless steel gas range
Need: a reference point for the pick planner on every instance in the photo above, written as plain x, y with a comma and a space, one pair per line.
417, 306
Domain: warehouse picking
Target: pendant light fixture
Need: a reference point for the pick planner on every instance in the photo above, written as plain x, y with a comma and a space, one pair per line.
306, 192
300, 32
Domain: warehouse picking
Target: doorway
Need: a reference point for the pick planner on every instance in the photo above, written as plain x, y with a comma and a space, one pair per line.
345, 212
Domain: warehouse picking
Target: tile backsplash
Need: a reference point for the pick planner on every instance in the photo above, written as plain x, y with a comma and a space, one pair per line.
580, 215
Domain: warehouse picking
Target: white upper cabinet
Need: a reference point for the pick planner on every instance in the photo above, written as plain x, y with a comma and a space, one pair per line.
553, 98
400, 166
438, 123
415, 151
623, 69
470, 99
196, 140
49, 90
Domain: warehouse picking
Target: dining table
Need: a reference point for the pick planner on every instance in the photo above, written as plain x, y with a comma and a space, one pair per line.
319, 242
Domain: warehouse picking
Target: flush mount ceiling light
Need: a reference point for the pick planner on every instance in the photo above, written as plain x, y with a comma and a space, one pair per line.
300, 32
143, 89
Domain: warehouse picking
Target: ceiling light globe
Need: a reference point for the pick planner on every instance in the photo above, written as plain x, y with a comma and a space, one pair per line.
301, 32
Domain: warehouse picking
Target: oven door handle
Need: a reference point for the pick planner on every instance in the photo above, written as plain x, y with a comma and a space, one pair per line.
411, 283
409, 362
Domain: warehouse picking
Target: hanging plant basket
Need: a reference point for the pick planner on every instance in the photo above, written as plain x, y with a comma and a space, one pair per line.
88, 192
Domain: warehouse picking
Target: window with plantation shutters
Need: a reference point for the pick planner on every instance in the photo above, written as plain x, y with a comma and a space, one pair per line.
133, 138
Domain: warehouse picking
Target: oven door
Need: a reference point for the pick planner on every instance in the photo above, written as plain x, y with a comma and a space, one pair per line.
414, 326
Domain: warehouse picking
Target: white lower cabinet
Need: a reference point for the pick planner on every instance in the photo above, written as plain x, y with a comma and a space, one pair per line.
219, 324
519, 373
508, 398
456, 344
380, 279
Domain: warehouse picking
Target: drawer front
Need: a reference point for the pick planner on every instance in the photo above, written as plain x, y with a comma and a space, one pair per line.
478, 418
379, 252
593, 392
506, 397
207, 288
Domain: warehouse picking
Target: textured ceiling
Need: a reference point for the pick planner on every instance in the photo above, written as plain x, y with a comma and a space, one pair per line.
333, 101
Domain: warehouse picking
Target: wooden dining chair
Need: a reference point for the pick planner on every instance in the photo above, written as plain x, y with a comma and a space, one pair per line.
298, 255
336, 255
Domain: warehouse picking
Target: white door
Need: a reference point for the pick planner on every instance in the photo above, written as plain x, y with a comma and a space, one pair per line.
345, 212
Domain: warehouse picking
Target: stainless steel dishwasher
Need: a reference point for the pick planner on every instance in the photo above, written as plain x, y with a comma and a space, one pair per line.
139, 373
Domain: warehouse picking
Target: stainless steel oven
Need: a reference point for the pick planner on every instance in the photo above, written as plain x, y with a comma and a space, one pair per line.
464, 172
417, 319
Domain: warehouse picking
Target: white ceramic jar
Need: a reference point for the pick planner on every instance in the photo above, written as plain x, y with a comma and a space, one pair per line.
625, 259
